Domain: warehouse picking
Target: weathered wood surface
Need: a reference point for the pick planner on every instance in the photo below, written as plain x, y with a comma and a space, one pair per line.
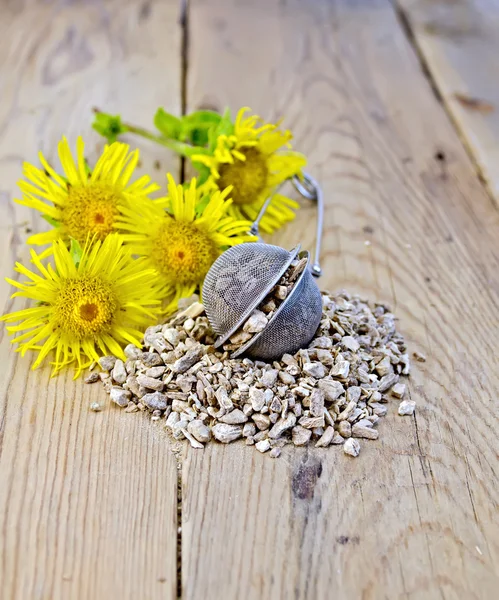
88, 501
416, 514
459, 42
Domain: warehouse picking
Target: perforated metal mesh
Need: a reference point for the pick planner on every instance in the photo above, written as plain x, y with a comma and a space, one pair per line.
238, 280
294, 326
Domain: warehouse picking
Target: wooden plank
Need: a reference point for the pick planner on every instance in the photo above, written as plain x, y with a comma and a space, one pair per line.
459, 43
87, 500
416, 514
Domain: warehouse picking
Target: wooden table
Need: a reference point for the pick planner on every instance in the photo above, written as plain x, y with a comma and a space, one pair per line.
95, 505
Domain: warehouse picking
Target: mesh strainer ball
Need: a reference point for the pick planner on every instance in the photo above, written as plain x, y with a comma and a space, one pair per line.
237, 283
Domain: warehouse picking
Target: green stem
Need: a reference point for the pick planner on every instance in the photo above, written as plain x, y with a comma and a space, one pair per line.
178, 147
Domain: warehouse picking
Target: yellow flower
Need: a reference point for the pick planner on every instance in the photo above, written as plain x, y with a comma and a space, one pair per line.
82, 203
183, 243
250, 160
84, 310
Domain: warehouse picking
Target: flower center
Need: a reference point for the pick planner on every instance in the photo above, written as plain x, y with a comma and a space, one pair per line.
85, 307
182, 252
90, 209
88, 312
249, 177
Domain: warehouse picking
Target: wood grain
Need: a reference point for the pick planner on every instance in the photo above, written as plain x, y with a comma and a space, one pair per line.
416, 514
87, 500
459, 43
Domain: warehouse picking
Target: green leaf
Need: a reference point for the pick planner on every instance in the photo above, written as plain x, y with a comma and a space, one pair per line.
202, 204
169, 125
203, 172
109, 126
51, 221
198, 136
197, 125
76, 252
224, 127
200, 117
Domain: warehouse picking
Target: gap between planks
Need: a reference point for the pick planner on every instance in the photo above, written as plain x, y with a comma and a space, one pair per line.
409, 30
184, 66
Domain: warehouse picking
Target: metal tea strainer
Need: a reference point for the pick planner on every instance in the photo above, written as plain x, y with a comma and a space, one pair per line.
244, 275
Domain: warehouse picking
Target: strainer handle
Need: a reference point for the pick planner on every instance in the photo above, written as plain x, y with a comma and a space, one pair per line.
310, 189
256, 223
